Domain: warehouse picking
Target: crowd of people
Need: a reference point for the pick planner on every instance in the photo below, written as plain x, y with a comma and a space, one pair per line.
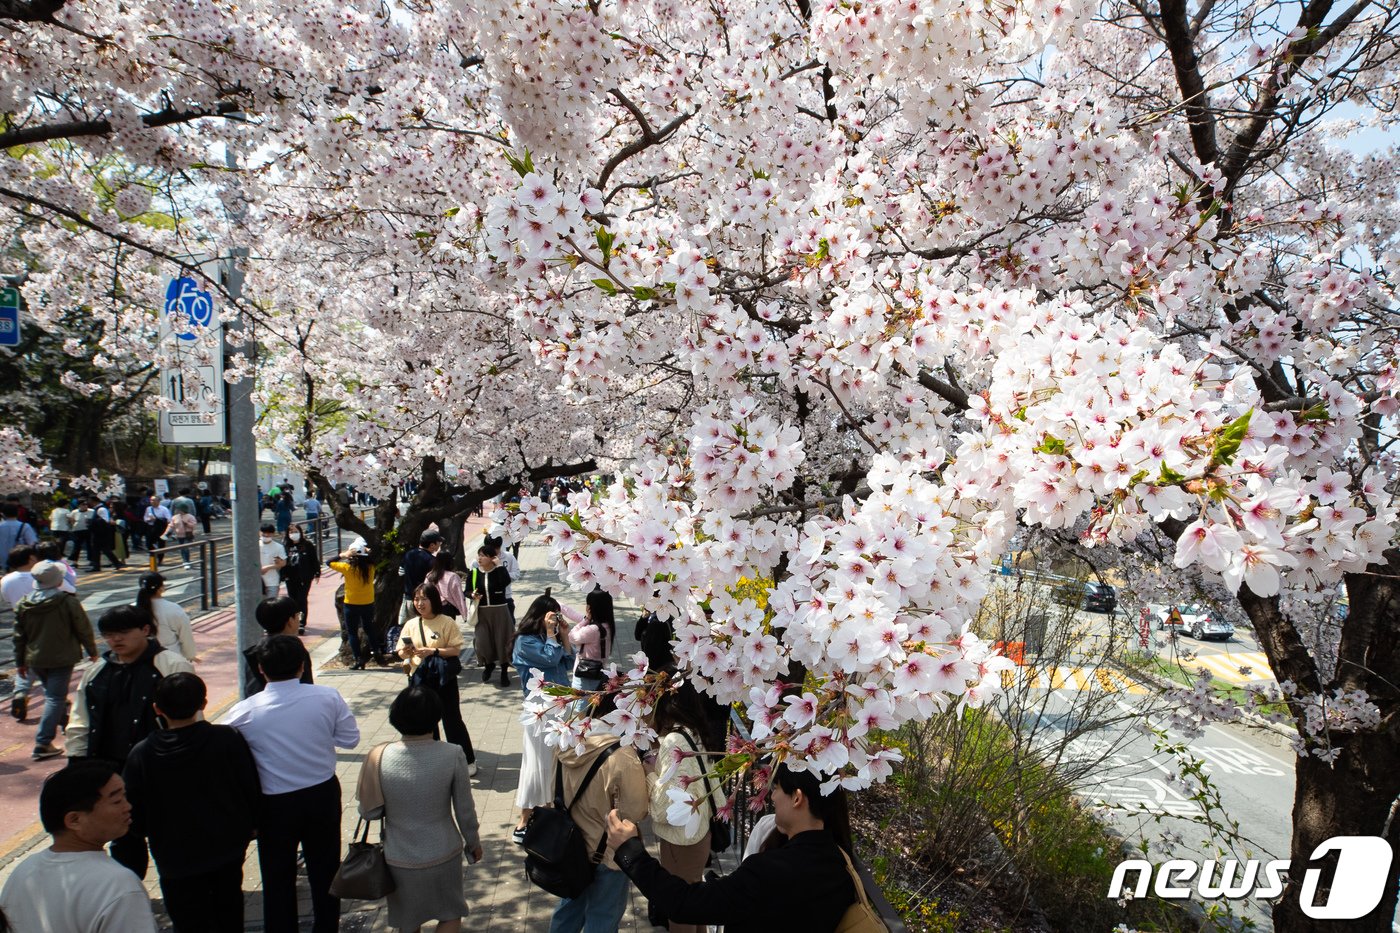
149, 779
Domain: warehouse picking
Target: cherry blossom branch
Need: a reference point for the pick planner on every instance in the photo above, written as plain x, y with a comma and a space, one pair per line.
75, 128
648, 138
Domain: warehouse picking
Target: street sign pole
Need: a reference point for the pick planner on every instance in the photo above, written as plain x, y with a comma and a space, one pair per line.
243, 465
9, 317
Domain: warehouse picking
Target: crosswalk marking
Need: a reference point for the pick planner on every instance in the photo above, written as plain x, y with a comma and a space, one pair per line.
1227, 666
1072, 678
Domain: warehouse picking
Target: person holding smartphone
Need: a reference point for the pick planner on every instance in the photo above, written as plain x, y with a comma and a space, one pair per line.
539, 646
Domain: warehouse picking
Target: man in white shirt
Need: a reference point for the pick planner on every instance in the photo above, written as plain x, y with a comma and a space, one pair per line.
272, 557
157, 519
294, 729
73, 886
19, 582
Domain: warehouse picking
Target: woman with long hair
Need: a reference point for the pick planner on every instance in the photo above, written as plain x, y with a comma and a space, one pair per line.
539, 646
448, 583
356, 566
592, 638
814, 862
434, 634
169, 620
301, 571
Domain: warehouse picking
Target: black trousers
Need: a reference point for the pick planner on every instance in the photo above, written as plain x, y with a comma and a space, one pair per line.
211, 902
299, 592
309, 817
454, 729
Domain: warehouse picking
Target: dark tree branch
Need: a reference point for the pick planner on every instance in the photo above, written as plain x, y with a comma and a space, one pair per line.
29, 135
1181, 43
648, 138
33, 11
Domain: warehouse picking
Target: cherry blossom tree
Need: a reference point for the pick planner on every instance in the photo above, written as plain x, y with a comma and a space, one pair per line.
844, 292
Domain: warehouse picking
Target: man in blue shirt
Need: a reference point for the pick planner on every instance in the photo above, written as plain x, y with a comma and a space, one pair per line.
14, 532
294, 729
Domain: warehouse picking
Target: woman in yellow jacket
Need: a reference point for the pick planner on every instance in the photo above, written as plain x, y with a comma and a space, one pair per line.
357, 568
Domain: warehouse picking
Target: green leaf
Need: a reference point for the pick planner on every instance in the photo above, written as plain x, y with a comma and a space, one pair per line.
643, 293
1316, 412
1169, 476
1227, 442
1051, 445
452, 212
606, 285
522, 166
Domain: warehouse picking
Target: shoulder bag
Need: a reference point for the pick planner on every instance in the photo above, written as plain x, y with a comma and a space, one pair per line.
363, 874
434, 671
861, 916
719, 830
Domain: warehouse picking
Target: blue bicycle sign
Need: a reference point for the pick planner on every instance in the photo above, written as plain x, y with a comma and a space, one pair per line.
188, 308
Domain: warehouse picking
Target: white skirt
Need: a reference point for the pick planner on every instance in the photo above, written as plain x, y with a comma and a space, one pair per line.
536, 787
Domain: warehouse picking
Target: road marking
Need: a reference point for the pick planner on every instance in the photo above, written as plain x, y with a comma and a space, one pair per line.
1227, 666
1075, 679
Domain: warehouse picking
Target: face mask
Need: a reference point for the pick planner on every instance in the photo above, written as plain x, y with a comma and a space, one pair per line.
294, 537
267, 539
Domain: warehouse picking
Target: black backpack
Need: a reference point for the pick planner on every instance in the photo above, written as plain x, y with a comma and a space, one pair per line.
556, 857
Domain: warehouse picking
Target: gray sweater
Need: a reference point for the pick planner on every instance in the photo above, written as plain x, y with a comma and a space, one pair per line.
424, 782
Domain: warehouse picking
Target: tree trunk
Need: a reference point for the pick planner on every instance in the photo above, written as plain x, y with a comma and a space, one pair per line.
1352, 798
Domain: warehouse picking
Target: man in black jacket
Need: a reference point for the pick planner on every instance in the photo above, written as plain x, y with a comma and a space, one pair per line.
413, 569
194, 792
277, 616
112, 709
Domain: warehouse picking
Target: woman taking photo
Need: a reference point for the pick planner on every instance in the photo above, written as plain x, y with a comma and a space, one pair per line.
592, 638
435, 635
301, 571
358, 570
170, 621
424, 785
811, 866
539, 646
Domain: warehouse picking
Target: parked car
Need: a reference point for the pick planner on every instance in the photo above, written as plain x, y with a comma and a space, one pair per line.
1086, 595
1197, 621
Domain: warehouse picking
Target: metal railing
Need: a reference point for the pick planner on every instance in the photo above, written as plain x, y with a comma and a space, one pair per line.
318, 529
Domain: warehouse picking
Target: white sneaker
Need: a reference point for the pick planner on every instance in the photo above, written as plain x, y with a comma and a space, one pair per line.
471, 769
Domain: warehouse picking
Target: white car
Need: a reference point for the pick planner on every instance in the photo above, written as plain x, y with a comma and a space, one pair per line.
1197, 621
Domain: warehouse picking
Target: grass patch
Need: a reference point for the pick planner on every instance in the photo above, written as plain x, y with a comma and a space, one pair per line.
1182, 672
976, 832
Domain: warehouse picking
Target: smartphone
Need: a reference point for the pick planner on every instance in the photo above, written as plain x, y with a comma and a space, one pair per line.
407, 642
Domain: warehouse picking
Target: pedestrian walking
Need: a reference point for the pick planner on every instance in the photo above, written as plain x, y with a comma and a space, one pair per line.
414, 567
814, 861
78, 521
294, 730
358, 570
303, 568
282, 512
102, 538
276, 616
73, 886
112, 710
429, 816
494, 630
619, 786
272, 557
204, 507
181, 530
431, 645
13, 531
312, 505
157, 519
18, 582
539, 647
52, 632
194, 793
169, 620
59, 525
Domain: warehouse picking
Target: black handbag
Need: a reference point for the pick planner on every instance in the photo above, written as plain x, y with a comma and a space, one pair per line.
720, 838
363, 874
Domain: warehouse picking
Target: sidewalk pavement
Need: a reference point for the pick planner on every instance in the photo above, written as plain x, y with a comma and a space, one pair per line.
499, 896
